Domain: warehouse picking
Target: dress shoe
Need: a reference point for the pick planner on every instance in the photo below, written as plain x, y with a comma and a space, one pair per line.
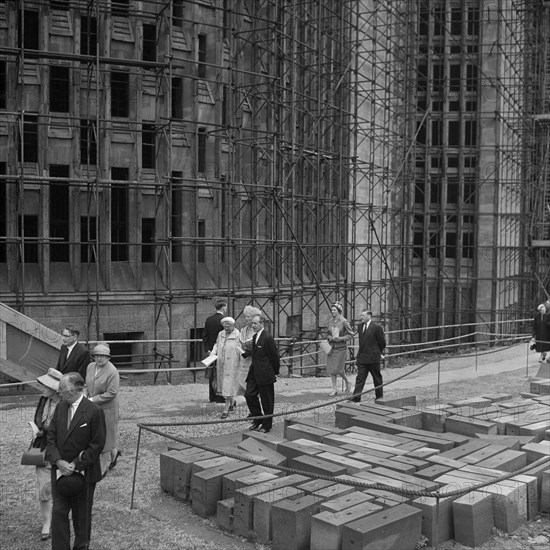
45, 536
114, 461
224, 415
333, 393
263, 430
254, 427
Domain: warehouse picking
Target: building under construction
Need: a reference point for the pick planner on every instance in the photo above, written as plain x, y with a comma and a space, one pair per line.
157, 155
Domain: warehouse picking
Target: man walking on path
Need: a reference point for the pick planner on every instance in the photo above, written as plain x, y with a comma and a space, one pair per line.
262, 374
371, 345
73, 356
212, 327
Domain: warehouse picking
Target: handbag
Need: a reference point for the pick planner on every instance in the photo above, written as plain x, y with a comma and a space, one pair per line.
210, 372
34, 457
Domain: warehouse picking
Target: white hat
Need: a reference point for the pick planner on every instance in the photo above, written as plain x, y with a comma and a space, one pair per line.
51, 379
228, 320
102, 349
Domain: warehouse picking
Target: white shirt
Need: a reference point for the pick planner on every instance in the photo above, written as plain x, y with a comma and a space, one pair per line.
69, 349
74, 406
257, 336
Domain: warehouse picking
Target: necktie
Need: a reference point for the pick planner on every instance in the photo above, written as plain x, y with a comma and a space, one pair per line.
69, 415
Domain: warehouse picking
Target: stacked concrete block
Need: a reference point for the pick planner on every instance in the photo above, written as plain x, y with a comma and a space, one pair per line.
398, 527
473, 518
293, 521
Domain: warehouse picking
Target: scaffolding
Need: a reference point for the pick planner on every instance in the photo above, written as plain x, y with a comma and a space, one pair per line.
156, 155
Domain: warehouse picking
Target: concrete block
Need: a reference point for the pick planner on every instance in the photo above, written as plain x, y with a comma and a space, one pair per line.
206, 487
412, 480
262, 509
293, 521
182, 472
473, 518
316, 465
293, 449
412, 419
482, 454
398, 402
299, 431
175, 446
429, 440
533, 503
437, 524
469, 427
313, 485
333, 491
509, 504
398, 527
322, 447
537, 429
433, 421
433, 472
312, 421
256, 479
513, 442
326, 527
224, 513
390, 440
444, 461
386, 499
497, 397
352, 465
471, 446
423, 452
257, 447
508, 460
410, 446
229, 479
244, 500
345, 501
414, 462
477, 402
269, 439
536, 450
167, 470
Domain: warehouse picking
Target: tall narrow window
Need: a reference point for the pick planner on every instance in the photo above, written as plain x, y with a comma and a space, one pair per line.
456, 21
148, 240
120, 7
59, 214
88, 236
470, 133
59, 89
88, 35
148, 149
119, 215
3, 212
201, 248
201, 150
88, 144
468, 245
28, 230
450, 245
177, 215
3, 85
30, 139
120, 94
28, 30
177, 13
177, 97
149, 43
202, 56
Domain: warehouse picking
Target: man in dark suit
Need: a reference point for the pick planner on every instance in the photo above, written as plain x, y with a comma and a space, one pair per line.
73, 356
76, 438
371, 345
212, 327
262, 374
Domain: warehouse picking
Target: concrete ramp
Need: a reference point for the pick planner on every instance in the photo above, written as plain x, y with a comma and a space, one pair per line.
27, 348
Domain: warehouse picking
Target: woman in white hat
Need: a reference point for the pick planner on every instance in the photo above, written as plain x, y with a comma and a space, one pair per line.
229, 355
102, 383
49, 385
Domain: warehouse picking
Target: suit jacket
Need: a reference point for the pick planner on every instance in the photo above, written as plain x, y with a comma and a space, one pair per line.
212, 327
371, 343
266, 362
81, 442
78, 360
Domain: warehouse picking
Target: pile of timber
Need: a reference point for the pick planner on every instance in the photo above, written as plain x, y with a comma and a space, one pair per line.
395, 443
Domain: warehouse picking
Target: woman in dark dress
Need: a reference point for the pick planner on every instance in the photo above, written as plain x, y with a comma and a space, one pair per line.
541, 332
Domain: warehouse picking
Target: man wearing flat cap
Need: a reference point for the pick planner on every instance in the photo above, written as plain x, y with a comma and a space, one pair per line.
75, 440
73, 356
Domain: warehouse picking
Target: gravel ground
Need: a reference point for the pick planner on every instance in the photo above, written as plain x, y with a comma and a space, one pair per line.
158, 521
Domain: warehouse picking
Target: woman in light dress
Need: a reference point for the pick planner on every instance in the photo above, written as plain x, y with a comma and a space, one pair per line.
49, 385
102, 384
227, 349
339, 333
